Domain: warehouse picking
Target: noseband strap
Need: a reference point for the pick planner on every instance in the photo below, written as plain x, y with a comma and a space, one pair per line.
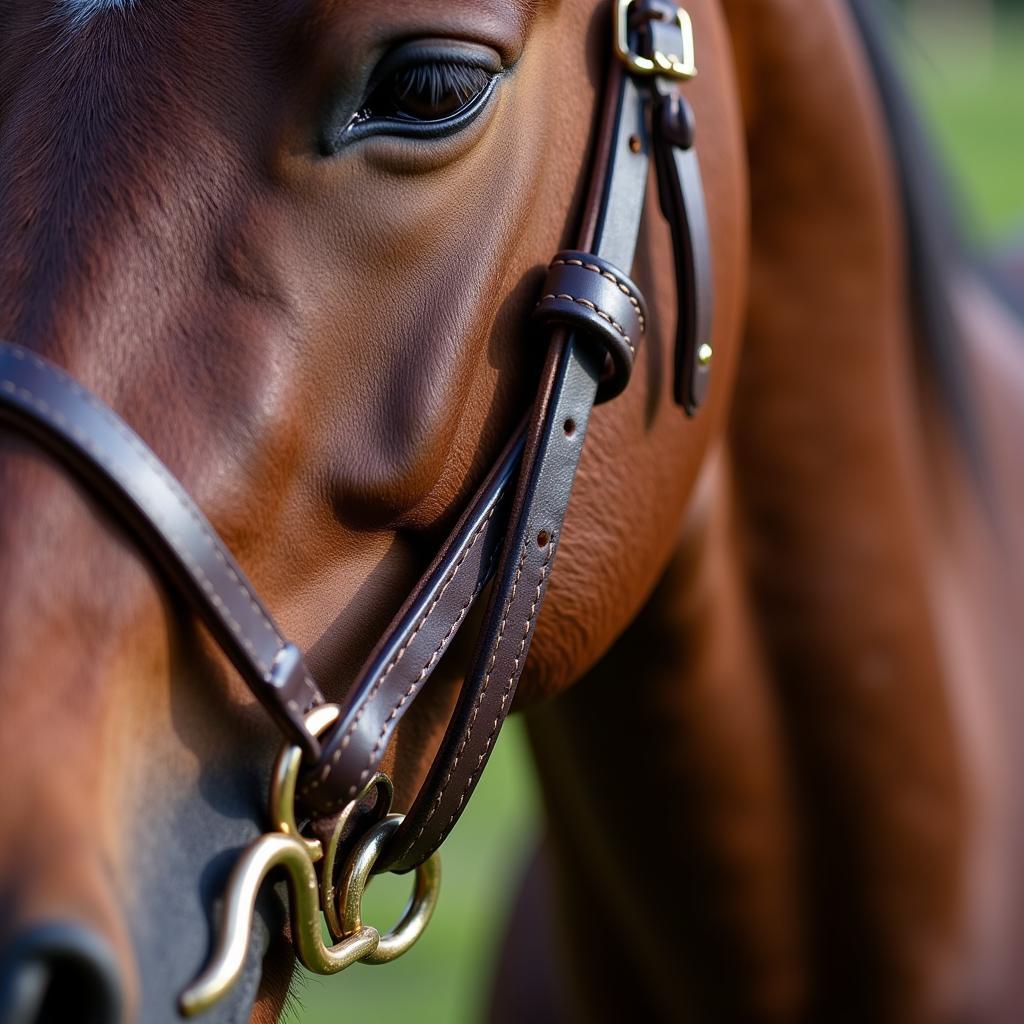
594, 317
108, 456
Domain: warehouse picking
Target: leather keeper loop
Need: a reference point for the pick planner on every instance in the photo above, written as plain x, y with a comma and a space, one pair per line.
585, 292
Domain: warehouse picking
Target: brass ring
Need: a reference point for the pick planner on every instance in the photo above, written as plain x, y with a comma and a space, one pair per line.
286, 778
419, 909
328, 900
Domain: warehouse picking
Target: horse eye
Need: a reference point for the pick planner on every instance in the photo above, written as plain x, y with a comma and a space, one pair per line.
433, 91
419, 95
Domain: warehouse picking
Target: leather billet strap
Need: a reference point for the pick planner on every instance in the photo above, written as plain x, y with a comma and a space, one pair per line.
681, 195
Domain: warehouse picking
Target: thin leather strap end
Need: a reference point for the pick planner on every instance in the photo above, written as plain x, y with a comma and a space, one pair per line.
681, 195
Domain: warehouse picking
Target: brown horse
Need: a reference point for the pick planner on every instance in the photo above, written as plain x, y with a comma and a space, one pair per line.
810, 725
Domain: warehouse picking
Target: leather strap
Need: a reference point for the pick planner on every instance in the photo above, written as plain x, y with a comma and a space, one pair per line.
589, 293
568, 392
99, 447
422, 630
681, 196
569, 386
414, 643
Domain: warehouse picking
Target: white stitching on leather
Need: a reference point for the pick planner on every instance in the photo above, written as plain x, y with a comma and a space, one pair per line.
607, 275
505, 695
325, 772
412, 687
597, 309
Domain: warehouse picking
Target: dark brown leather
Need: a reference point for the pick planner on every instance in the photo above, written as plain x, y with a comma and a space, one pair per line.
558, 426
681, 195
584, 291
568, 391
37, 397
562, 412
414, 643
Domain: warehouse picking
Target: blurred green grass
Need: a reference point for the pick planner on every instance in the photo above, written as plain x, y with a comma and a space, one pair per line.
444, 979
971, 87
968, 76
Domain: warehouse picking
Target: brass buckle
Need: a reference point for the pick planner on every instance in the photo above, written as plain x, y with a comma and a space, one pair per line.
312, 898
680, 65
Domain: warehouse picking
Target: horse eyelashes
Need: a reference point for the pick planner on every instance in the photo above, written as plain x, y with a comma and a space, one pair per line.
433, 91
421, 99
427, 94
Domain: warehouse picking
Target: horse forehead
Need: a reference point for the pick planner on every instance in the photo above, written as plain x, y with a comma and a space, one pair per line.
77, 12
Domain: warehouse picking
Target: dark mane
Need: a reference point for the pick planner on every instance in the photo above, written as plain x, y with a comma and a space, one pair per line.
936, 243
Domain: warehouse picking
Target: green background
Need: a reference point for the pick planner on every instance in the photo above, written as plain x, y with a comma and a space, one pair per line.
968, 72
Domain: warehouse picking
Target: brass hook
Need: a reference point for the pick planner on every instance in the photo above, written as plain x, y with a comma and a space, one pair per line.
418, 911
268, 852
328, 869
311, 897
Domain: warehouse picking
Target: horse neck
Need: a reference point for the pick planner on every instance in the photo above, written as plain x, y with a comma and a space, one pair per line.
799, 709
835, 517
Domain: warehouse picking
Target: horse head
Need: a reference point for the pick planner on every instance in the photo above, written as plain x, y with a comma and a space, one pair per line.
295, 246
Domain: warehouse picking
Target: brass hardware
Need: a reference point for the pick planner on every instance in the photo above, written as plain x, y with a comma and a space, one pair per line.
270, 851
328, 896
680, 65
312, 899
418, 910
286, 777
705, 354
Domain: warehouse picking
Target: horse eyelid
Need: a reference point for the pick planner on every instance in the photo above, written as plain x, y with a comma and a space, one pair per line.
364, 125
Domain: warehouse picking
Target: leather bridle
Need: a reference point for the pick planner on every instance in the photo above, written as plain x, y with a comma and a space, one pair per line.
593, 317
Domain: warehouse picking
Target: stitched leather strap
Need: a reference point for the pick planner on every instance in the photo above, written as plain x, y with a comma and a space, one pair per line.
405, 659
414, 643
568, 391
559, 423
584, 291
37, 397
